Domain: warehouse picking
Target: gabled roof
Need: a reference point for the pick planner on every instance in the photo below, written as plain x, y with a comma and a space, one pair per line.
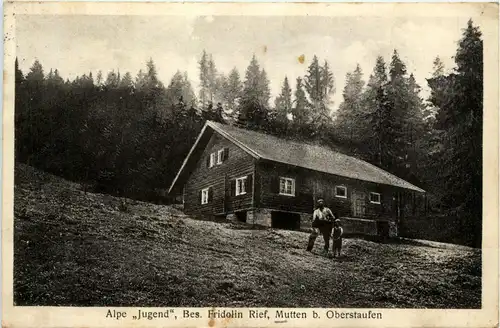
309, 156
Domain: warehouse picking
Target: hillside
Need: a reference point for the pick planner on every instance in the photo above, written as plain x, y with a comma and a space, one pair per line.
77, 248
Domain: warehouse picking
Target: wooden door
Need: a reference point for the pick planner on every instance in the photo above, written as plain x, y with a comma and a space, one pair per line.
358, 202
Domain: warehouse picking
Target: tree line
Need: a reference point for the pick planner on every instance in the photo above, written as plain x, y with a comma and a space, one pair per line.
128, 135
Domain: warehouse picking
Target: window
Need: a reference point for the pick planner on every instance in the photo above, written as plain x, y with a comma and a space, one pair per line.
374, 198
341, 191
220, 156
204, 196
287, 186
241, 186
212, 160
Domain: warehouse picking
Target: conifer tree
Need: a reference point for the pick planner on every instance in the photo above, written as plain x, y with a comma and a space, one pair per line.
212, 79
438, 67
233, 91
140, 80
180, 90
320, 86
264, 90
350, 120
328, 86
126, 82
459, 97
253, 107
377, 114
397, 92
36, 74
204, 79
283, 103
300, 112
151, 76
313, 85
99, 79
221, 87
19, 74
112, 80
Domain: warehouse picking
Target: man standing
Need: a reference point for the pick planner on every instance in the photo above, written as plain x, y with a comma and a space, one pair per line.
322, 223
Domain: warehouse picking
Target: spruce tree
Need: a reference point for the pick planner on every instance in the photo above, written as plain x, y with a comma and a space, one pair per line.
232, 92
415, 129
180, 90
328, 88
253, 110
112, 80
151, 77
350, 119
459, 98
204, 79
126, 82
19, 74
438, 67
221, 87
300, 110
211, 79
283, 103
397, 92
313, 85
99, 79
377, 115
36, 74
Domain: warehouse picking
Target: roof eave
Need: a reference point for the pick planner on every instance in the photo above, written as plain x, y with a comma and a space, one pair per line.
413, 187
187, 158
258, 156
226, 135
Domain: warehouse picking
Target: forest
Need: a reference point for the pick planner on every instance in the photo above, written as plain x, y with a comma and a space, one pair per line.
128, 135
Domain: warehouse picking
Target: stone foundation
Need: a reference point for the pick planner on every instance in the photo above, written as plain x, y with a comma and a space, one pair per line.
260, 216
305, 221
250, 216
359, 226
393, 229
231, 217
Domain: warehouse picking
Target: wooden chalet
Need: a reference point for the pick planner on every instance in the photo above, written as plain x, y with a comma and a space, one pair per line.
262, 179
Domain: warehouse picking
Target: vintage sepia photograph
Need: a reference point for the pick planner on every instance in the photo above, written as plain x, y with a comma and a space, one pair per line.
238, 161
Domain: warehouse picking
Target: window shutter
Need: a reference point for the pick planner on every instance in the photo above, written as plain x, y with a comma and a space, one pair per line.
226, 154
200, 196
208, 160
233, 188
275, 185
249, 183
210, 194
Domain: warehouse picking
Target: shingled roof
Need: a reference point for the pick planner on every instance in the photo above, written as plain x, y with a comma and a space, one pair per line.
309, 156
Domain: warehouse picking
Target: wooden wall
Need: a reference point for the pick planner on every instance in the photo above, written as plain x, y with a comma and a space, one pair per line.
311, 186
220, 179
268, 180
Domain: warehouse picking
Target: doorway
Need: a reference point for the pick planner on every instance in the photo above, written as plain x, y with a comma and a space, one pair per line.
383, 229
285, 220
241, 216
358, 201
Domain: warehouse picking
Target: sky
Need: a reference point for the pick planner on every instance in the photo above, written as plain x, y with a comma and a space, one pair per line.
78, 44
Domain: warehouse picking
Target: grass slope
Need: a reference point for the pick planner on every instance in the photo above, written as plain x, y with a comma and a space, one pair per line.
78, 249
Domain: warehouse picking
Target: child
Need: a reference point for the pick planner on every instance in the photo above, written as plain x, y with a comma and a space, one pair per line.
337, 237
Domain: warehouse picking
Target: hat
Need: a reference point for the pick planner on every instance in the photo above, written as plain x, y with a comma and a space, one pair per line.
337, 220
